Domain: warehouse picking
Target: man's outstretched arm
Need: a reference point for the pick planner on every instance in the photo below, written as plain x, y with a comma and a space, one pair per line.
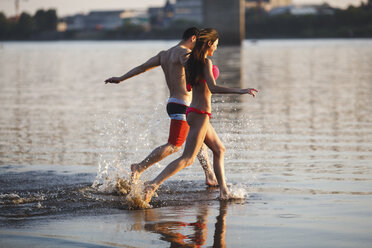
148, 65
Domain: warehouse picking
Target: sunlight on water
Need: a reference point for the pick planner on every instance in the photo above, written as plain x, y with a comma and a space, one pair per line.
298, 156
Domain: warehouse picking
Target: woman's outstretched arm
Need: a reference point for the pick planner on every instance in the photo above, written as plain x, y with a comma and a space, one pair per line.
215, 89
148, 65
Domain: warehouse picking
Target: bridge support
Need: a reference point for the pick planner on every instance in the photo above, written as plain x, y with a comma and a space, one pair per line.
227, 17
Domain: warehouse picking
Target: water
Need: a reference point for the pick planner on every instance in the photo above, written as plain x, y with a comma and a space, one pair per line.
300, 152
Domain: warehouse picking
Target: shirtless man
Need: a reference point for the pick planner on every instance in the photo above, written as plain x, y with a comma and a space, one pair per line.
172, 62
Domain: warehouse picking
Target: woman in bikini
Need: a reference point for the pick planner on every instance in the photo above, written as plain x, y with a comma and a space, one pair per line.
200, 75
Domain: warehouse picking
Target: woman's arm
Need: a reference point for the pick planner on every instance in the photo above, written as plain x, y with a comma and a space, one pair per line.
148, 65
215, 89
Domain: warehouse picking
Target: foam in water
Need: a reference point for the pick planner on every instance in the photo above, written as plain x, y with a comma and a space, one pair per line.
15, 199
238, 192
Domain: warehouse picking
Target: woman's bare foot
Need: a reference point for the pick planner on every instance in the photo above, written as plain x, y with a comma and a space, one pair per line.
135, 173
149, 191
210, 179
225, 195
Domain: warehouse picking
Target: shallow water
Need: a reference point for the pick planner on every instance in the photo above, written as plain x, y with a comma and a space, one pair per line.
300, 152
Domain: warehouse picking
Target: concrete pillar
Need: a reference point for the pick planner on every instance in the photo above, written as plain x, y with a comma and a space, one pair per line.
227, 17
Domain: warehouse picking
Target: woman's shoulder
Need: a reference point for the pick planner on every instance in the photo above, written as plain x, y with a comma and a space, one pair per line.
208, 64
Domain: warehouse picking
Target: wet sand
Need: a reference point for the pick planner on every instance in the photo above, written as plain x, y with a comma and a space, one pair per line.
62, 210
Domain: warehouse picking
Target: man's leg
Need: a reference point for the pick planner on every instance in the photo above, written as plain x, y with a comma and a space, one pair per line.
155, 156
177, 134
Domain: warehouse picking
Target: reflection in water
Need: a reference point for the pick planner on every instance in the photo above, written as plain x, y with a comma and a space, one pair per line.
220, 231
189, 234
229, 59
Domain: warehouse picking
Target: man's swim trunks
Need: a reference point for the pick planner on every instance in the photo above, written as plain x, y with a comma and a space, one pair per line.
179, 128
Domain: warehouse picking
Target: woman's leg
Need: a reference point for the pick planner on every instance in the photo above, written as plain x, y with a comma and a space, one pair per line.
198, 128
214, 143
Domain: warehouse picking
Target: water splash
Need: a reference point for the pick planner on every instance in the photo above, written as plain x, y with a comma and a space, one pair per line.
124, 143
134, 193
124, 186
135, 198
238, 192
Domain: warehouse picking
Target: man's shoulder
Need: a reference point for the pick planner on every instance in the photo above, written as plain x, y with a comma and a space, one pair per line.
177, 54
181, 49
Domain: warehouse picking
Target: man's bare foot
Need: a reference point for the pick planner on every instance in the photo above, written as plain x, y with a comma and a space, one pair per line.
149, 191
135, 173
210, 179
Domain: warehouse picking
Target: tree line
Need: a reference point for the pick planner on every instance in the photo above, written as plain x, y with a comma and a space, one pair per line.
26, 26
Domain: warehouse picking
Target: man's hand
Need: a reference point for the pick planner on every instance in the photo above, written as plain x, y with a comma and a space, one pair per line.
113, 80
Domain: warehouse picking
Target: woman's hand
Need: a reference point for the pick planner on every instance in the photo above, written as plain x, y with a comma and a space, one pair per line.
249, 91
113, 80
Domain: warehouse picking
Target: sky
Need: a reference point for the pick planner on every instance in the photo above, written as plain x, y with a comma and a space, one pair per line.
70, 7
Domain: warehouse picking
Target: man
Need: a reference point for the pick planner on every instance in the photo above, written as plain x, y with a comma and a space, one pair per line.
172, 62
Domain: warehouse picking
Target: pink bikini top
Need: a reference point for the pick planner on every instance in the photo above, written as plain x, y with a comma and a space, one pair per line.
216, 73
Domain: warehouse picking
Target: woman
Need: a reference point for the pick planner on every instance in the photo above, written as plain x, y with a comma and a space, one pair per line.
200, 75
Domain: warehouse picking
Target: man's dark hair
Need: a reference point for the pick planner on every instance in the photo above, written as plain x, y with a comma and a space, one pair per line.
190, 32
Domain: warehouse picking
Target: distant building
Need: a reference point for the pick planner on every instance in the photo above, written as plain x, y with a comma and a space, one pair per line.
189, 10
168, 13
136, 17
155, 16
161, 16
73, 23
323, 9
267, 4
303, 10
103, 20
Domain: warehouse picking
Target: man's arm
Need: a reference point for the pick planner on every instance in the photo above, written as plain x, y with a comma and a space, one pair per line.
148, 65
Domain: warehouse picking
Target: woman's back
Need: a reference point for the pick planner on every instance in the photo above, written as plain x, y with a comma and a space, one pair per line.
201, 95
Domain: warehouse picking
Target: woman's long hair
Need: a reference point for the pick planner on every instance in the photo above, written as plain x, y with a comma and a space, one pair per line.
195, 64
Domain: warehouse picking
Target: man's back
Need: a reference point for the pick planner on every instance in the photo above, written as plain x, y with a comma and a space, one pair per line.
172, 62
